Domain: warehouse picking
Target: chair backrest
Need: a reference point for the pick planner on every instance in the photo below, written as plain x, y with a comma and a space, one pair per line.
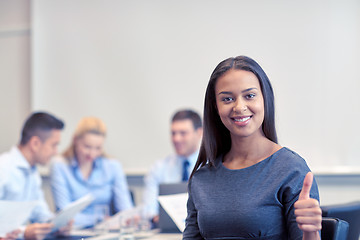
350, 212
334, 229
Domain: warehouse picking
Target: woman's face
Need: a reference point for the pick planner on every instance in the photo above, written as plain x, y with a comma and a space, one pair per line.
240, 103
89, 147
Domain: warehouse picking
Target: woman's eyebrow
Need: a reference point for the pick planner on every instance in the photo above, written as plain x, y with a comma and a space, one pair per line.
224, 92
245, 90
249, 89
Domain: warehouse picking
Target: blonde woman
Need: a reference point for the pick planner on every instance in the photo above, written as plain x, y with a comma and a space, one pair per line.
84, 168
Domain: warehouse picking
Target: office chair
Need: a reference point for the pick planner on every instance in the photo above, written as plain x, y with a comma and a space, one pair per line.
334, 229
349, 212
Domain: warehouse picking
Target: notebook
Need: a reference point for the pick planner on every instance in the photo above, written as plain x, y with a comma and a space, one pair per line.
166, 224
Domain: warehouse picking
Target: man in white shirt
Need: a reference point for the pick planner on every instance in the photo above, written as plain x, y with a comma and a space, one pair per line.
19, 178
186, 135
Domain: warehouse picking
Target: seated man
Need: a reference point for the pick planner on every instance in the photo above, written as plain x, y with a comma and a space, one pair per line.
19, 178
186, 134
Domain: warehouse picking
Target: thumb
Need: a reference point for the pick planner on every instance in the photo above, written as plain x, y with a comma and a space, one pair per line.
305, 191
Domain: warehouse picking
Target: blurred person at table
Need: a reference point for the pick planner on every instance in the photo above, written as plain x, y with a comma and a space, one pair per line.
83, 169
19, 176
186, 134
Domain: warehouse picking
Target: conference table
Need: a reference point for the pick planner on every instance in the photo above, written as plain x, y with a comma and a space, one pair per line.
90, 235
156, 236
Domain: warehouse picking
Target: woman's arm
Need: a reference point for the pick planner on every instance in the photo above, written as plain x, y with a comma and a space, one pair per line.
122, 198
60, 191
192, 231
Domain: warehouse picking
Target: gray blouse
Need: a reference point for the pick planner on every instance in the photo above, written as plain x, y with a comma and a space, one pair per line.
251, 203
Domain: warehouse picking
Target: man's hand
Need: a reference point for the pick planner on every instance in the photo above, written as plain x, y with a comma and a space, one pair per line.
308, 211
37, 231
155, 219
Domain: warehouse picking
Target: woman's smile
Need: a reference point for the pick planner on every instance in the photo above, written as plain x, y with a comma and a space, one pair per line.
241, 121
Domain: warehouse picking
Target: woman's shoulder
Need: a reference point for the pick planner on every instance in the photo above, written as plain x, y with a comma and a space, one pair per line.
288, 161
206, 170
60, 165
59, 160
289, 155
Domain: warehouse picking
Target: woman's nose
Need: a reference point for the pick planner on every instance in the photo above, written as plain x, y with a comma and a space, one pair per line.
240, 107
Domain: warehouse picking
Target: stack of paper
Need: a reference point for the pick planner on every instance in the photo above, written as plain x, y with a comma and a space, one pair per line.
14, 215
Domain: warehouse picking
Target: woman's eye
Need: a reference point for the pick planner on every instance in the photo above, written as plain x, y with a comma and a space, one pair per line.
227, 99
249, 96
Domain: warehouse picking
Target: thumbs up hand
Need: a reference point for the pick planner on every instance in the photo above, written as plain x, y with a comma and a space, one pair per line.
308, 211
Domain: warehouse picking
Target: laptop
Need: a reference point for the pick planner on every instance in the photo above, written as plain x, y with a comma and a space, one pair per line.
166, 224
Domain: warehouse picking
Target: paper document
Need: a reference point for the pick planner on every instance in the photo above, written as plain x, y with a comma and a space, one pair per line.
65, 215
14, 215
113, 223
175, 206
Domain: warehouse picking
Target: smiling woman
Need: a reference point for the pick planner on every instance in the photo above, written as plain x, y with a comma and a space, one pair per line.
244, 184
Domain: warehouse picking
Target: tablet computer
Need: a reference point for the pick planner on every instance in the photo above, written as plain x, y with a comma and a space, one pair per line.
62, 218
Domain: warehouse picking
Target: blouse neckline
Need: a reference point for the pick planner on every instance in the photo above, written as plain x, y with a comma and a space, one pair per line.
220, 162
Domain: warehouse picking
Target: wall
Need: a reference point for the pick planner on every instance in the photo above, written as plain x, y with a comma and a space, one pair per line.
15, 70
133, 63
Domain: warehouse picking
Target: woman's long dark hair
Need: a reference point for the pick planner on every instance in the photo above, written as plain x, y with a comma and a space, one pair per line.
216, 137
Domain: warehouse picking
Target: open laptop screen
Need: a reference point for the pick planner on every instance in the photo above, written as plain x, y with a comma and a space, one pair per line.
166, 224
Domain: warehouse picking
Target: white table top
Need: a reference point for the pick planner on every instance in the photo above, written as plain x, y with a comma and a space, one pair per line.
154, 235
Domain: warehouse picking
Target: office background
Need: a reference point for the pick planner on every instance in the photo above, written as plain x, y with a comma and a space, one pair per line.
133, 63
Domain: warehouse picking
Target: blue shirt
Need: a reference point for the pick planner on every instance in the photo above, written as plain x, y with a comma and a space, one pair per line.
167, 170
107, 183
21, 182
